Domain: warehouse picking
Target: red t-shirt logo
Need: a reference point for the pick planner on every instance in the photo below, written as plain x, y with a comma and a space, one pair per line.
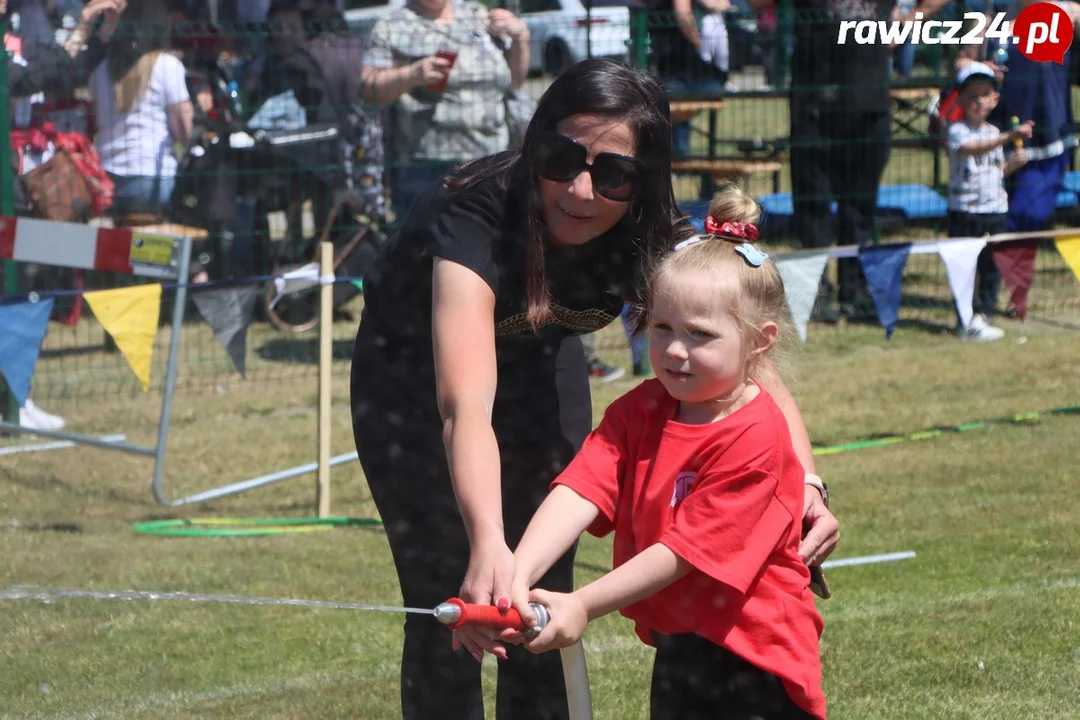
684, 483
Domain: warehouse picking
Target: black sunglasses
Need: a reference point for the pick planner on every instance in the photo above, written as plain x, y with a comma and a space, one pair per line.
560, 159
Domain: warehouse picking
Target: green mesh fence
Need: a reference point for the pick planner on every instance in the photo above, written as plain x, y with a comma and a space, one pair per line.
307, 128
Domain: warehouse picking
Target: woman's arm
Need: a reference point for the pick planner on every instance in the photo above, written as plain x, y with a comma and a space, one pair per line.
384, 85
503, 22
800, 437
181, 117
821, 529
463, 331
684, 16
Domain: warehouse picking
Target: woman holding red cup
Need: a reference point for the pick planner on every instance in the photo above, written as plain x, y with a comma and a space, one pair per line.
444, 69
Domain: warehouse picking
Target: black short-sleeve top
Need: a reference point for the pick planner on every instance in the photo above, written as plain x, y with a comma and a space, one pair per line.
483, 228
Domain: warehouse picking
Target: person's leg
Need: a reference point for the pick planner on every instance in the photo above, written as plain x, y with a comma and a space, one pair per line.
639, 350
904, 59
400, 449
680, 131
862, 144
538, 441
597, 367
988, 276
695, 679
811, 193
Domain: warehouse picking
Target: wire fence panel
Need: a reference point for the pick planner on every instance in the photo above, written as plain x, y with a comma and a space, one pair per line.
301, 129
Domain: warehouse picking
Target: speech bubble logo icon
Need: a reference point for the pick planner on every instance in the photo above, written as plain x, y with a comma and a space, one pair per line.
1044, 32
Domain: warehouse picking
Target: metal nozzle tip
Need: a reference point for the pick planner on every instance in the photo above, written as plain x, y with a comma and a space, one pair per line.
447, 613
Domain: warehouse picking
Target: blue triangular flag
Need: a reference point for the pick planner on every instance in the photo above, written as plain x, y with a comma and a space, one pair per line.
883, 266
22, 328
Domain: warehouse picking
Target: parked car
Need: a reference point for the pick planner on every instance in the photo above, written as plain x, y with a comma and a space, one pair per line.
562, 32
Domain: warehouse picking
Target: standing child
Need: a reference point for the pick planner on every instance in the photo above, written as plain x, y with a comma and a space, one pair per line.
696, 474
978, 202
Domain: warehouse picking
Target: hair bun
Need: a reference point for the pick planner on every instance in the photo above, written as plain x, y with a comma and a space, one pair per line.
747, 232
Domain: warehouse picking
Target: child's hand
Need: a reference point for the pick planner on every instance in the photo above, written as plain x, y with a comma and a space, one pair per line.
1019, 157
1022, 132
569, 619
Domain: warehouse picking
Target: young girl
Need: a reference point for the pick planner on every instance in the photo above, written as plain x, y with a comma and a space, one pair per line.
696, 474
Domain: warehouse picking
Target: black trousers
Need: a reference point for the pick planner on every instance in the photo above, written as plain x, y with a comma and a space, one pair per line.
695, 679
987, 275
398, 436
836, 155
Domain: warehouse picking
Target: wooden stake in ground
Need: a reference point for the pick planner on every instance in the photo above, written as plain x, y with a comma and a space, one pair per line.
326, 349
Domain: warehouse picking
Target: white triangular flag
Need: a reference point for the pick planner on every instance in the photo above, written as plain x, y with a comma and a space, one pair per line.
802, 275
295, 281
961, 257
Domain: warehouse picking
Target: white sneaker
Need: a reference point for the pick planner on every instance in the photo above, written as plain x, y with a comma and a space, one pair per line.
981, 331
34, 417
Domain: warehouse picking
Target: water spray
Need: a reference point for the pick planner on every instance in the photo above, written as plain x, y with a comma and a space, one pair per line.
454, 613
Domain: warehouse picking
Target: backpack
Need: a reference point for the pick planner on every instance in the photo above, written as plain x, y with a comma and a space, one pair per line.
943, 111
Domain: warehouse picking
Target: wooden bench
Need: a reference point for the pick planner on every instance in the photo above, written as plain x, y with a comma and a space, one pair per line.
147, 222
738, 169
683, 110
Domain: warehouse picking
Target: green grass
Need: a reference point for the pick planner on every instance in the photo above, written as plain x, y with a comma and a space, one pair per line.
990, 514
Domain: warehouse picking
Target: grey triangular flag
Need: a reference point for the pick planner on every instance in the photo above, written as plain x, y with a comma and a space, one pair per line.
228, 312
802, 274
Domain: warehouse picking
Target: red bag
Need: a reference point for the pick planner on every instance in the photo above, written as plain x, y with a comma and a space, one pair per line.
944, 110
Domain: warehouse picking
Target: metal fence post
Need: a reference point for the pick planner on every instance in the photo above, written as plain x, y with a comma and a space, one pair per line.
8, 404
784, 25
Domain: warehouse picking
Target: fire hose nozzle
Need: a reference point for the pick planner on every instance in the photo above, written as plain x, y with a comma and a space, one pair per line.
455, 613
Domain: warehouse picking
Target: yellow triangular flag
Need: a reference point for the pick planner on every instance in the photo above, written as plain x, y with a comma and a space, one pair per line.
1069, 247
130, 315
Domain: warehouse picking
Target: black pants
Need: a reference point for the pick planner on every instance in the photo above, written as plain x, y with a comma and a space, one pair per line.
398, 437
836, 155
695, 679
987, 275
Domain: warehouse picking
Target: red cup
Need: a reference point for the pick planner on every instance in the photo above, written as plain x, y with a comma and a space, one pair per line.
446, 54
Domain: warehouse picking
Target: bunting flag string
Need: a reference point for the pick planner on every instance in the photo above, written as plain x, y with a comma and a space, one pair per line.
22, 330
130, 316
228, 312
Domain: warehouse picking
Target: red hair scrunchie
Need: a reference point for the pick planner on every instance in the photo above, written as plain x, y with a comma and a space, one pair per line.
733, 230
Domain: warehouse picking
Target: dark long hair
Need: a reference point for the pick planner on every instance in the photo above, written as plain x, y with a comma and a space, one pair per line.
142, 35
610, 89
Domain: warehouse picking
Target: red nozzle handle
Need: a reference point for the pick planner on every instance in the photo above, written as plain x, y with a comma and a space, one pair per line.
487, 615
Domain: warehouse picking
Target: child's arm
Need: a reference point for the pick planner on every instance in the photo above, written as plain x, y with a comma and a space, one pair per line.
982, 147
561, 519
646, 574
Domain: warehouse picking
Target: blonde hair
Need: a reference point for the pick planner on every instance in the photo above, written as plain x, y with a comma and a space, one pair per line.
133, 84
754, 295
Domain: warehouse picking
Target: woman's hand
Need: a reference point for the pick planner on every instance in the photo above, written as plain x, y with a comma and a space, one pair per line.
820, 528
569, 618
487, 582
428, 71
503, 22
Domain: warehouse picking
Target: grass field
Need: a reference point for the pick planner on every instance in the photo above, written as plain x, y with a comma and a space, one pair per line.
981, 624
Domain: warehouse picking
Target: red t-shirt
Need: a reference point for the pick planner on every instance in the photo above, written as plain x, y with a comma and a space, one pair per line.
727, 497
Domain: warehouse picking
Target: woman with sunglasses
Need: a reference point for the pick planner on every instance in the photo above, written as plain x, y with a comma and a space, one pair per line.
469, 386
